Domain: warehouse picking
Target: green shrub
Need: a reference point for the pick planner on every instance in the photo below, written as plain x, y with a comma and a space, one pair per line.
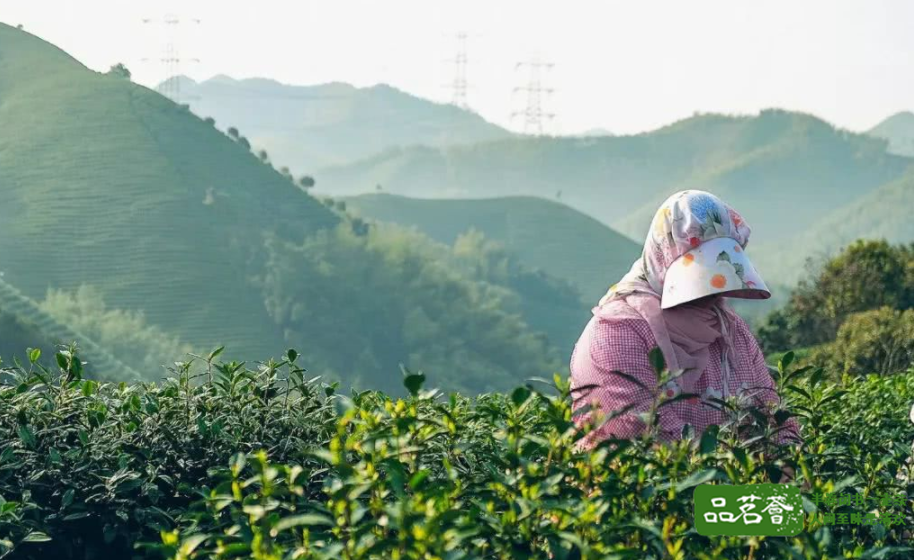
877, 341
120, 70
867, 275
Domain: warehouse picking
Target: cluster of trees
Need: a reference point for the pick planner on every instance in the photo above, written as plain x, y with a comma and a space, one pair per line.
876, 341
550, 305
855, 314
405, 299
120, 70
125, 334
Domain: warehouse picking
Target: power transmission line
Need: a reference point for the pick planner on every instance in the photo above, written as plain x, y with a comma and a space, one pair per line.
171, 59
459, 85
534, 115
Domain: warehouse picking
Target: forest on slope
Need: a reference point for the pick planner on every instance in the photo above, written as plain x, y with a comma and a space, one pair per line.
544, 234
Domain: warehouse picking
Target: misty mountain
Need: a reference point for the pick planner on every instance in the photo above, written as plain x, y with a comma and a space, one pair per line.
898, 129
880, 214
107, 183
783, 171
307, 127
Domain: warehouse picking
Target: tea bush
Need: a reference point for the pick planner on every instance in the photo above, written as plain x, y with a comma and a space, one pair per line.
97, 467
230, 461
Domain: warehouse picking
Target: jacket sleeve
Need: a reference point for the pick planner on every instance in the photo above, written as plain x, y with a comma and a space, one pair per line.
618, 346
766, 391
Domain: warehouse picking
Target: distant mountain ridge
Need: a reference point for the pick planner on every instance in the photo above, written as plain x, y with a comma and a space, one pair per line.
784, 171
898, 130
307, 127
880, 214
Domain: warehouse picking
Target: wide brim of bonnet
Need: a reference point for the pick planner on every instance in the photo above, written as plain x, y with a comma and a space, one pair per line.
716, 267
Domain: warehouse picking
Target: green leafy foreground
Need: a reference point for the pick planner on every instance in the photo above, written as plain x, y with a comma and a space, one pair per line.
224, 460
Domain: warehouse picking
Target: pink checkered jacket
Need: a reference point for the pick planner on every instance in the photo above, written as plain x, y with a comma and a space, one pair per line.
623, 345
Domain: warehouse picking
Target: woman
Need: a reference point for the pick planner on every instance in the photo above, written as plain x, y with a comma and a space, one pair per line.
674, 298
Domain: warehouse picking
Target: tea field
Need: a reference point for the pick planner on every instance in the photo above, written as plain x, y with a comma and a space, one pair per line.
232, 460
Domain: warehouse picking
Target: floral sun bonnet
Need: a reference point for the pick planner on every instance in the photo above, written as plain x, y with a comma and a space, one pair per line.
695, 248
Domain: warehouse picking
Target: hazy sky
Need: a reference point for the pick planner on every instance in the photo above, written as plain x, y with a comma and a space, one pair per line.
626, 66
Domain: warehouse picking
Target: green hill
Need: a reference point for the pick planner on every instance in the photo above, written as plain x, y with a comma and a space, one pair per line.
127, 215
545, 235
898, 129
110, 184
306, 127
776, 168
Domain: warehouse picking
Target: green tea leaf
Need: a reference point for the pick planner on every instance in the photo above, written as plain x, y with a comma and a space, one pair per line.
307, 519
785, 362
708, 442
520, 395
36, 536
26, 435
657, 361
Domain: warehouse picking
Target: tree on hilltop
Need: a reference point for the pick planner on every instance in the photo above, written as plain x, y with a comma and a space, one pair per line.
120, 70
306, 182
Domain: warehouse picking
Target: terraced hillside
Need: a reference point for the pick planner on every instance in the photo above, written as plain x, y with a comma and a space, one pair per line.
545, 235
111, 184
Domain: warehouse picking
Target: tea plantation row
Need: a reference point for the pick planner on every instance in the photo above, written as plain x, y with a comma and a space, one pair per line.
226, 460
